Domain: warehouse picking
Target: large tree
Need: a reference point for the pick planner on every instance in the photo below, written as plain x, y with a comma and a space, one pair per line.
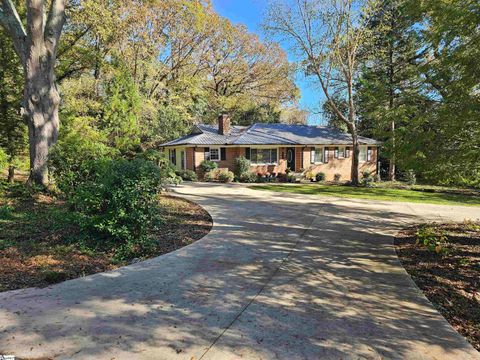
36, 46
328, 36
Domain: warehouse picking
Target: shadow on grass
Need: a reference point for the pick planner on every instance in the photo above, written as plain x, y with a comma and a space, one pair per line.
384, 194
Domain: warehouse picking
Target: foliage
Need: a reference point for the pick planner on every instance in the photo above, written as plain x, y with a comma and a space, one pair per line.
187, 175
367, 178
248, 177
13, 130
118, 199
241, 166
410, 177
226, 176
3, 159
70, 158
207, 166
337, 177
310, 175
320, 176
434, 239
210, 176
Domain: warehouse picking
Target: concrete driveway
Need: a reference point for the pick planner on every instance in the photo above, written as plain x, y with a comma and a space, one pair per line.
280, 276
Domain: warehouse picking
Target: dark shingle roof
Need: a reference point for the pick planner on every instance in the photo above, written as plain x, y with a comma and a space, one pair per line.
268, 134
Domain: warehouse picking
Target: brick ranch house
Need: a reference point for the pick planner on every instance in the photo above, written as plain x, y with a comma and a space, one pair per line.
272, 148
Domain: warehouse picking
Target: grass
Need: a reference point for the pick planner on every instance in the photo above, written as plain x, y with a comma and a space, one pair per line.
428, 195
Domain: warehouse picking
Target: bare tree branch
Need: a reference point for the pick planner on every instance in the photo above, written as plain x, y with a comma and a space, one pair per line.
10, 20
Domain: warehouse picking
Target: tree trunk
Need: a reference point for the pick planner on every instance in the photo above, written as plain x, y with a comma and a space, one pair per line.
391, 165
41, 110
11, 174
355, 158
41, 97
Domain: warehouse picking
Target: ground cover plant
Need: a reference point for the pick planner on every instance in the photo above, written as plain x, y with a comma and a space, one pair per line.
42, 242
444, 261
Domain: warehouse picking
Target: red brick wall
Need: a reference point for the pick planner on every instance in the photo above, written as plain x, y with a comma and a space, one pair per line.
302, 157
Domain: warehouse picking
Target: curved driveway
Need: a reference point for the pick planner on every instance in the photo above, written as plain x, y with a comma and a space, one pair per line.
280, 276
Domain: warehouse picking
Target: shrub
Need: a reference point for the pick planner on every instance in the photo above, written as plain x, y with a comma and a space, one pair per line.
291, 178
337, 177
207, 165
3, 159
248, 177
241, 165
320, 176
210, 176
226, 176
187, 175
367, 178
377, 178
119, 200
410, 177
69, 159
431, 238
309, 175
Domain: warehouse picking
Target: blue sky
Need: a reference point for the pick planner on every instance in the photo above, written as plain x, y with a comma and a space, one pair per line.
250, 13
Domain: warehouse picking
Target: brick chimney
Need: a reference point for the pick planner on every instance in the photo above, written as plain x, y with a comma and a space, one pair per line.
223, 124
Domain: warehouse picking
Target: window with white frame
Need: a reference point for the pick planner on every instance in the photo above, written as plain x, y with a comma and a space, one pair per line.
339, 152
214, 154
317, 155
362, 157
263, 156
369, 154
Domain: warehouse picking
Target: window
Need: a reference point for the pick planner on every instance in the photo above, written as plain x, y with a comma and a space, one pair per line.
263, 156
369, 154
362, 157
173, 156
339, 152
316, 156
214, 154
325, 155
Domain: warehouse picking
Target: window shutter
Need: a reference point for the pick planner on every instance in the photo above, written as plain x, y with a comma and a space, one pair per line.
223, 153
206, 152
247, 153
312, 156
325, 155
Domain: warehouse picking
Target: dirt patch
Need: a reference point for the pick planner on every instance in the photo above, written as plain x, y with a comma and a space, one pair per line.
40, 245
451, 279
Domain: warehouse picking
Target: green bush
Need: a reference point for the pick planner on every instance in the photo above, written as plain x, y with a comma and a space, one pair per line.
118, 200
3, 159
320, 176
210, 176
248, 177
410, 177
435, 240
207, 165
367, 178
187, 175
69, 157
241, 166
226, 176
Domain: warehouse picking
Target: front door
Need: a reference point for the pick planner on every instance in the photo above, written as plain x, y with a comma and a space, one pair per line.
291, 158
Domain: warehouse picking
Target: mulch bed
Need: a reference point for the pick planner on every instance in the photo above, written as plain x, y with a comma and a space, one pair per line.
38, 249
451, 280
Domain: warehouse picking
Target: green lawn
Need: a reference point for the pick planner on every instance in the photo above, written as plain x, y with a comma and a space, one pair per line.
377, 193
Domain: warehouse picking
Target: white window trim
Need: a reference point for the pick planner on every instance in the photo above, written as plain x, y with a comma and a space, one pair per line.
366, 154
264, 148
219, 154
322, 148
